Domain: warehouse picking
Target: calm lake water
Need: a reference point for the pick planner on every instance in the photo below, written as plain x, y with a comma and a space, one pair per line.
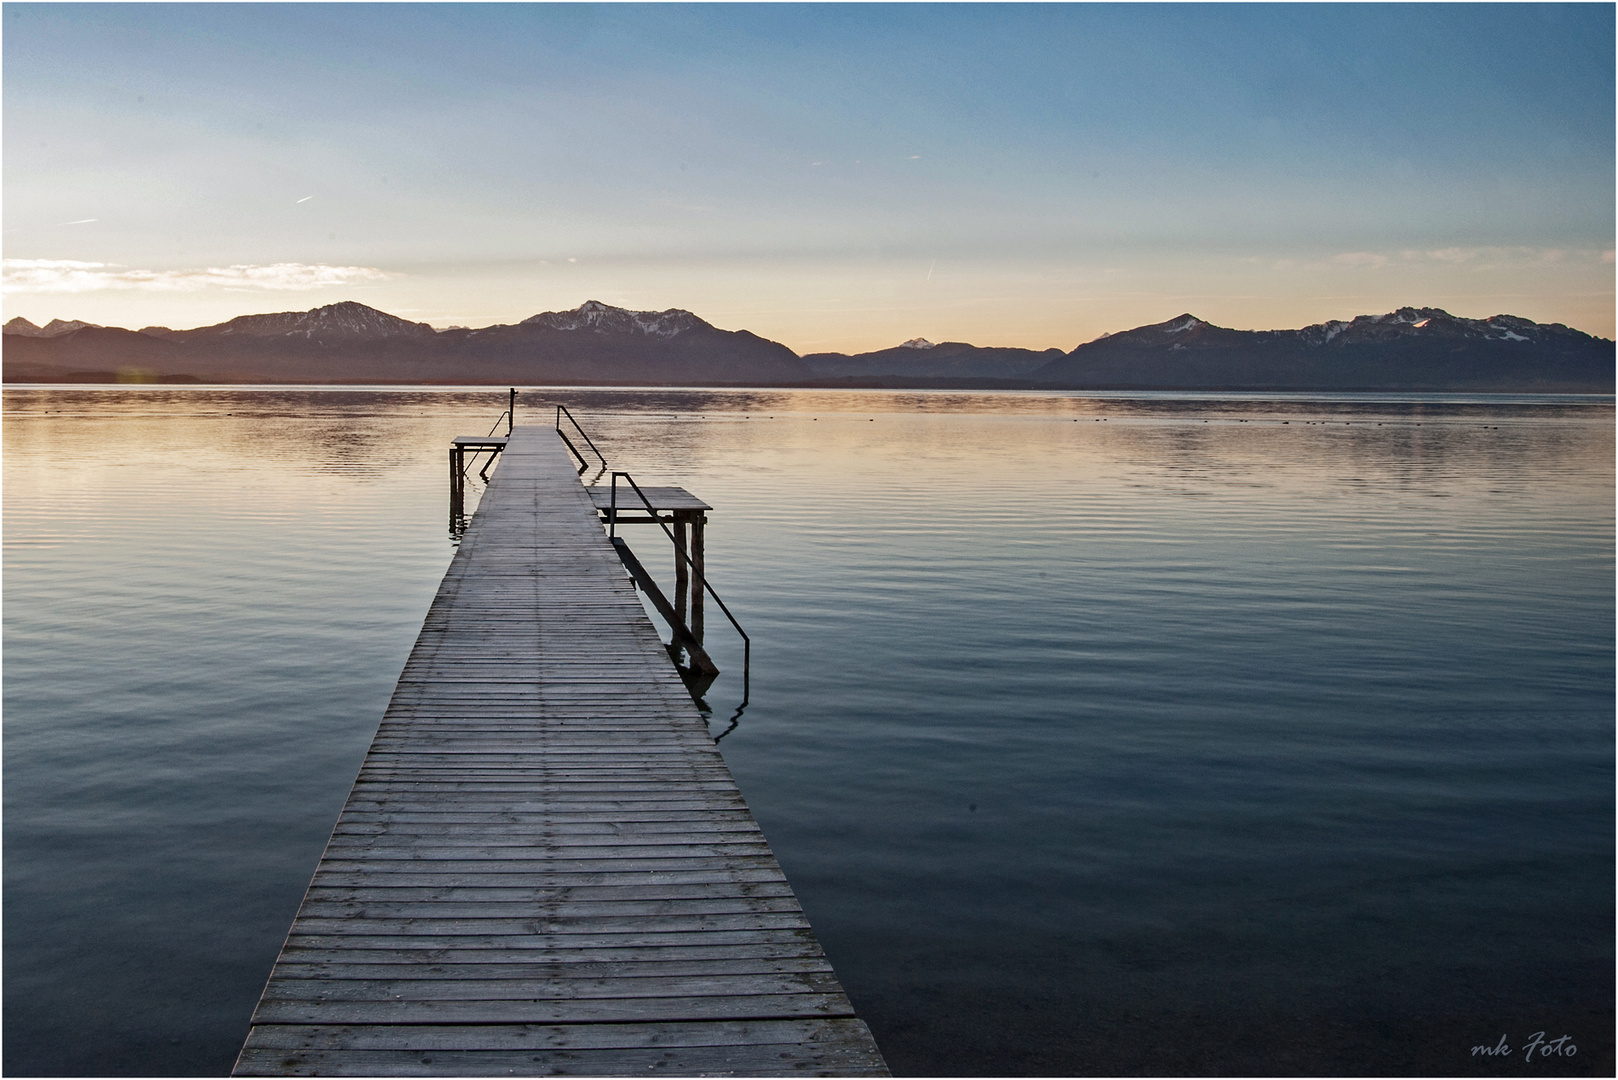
1118, 734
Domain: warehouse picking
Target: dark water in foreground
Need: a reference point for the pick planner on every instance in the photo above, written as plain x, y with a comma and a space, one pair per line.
1097, 735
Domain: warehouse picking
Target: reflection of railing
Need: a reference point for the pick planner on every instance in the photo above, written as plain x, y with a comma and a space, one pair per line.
561, 411
700, 661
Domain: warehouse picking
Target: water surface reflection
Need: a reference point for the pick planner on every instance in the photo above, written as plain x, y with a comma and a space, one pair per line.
1151, 733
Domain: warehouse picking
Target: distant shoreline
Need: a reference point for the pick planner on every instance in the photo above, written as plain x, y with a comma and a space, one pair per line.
937, 386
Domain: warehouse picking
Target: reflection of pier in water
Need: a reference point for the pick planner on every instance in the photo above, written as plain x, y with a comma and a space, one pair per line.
544, 865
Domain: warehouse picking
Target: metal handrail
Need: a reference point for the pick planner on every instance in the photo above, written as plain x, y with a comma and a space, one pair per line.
510, 417
702, 579
561, 410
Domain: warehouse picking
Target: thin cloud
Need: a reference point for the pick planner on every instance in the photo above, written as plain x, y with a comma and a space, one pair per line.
72, 276
81, 221
1452, 254
306, 198
1470, 258
1497, 256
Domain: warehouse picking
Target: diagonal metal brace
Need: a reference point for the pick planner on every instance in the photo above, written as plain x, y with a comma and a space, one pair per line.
703, 670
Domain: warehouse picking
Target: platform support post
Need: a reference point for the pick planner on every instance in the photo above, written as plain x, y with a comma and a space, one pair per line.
682, 574
457, 487
698, 574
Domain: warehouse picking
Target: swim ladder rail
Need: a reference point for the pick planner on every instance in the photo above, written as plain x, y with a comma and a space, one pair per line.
701, 578
561, 411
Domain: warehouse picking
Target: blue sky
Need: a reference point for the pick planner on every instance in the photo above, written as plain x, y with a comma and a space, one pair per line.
831, 176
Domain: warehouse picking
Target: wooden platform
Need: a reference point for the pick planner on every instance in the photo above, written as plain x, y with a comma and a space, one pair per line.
670, 505
661, 498
545, 866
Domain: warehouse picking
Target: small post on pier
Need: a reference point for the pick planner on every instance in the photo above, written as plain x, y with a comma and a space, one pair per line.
511, 413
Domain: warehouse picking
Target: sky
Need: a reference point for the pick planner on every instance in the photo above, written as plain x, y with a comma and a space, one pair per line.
834, 177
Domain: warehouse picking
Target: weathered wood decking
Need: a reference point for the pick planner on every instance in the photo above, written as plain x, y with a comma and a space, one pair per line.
544, 865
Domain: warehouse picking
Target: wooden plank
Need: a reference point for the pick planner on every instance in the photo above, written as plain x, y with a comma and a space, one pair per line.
716, 1061
498, 829
552, 909
581, 926
408, 1012
528, 893
404, 877
368, 937
544, 865
393, 873
398, 968
409, 952
589, 846
819, 1047
527, 843
550, 986
494, 804
564, 1037
629, 821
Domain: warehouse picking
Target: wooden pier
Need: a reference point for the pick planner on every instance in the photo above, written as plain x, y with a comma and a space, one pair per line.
544, 865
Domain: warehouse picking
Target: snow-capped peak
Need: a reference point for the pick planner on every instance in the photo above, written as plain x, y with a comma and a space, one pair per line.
21, 327
602, 318
1409, 322
344, 320
58, 327
916, 343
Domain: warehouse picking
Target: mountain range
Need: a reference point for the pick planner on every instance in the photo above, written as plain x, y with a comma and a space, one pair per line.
353, 343
1408, 349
